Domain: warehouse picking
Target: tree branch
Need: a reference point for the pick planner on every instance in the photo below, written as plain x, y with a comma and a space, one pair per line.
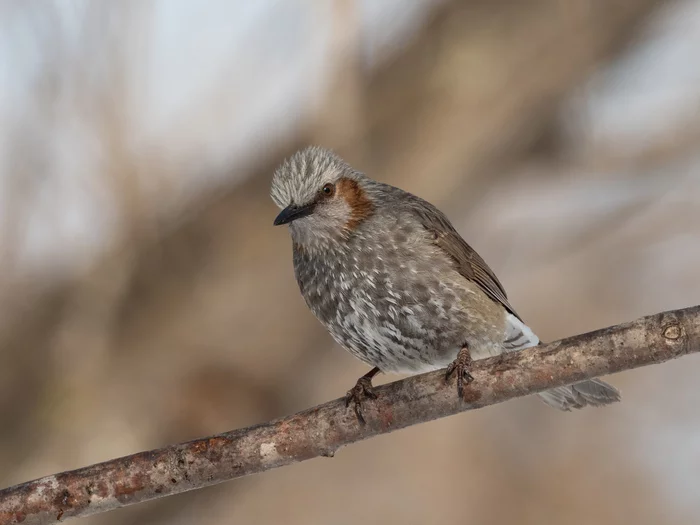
321, 430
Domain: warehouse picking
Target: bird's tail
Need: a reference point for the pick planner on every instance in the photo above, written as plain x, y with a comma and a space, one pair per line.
593, 392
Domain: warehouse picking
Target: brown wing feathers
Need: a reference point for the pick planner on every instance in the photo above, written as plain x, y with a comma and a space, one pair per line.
468, 263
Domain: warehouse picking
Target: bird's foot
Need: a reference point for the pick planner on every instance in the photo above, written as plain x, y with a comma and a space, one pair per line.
357, 395
461, 366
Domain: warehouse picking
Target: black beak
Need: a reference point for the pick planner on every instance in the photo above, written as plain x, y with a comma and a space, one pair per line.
293, 212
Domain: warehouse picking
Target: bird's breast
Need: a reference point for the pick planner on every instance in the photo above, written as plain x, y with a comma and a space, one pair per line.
388, 299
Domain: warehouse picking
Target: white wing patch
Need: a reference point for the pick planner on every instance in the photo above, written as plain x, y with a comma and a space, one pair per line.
518, 335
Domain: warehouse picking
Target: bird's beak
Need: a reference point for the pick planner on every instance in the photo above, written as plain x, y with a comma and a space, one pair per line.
293, 212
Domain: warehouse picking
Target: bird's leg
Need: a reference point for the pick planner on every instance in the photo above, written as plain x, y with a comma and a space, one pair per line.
362, 389
461, 366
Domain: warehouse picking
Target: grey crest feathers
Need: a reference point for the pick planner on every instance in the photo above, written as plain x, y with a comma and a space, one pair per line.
299, 178
400, 290
317, 220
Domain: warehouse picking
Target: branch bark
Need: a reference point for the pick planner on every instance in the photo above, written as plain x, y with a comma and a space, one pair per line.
321, 430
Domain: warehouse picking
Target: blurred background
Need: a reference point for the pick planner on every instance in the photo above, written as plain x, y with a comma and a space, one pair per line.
145, 297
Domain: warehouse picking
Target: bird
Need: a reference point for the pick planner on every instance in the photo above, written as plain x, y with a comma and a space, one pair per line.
395, 284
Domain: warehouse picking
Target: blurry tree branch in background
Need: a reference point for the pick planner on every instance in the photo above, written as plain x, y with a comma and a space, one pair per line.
321, 430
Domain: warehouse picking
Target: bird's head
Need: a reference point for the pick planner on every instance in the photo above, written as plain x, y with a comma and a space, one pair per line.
322, 198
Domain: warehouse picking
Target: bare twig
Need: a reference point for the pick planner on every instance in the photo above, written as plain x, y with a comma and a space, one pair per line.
320, 431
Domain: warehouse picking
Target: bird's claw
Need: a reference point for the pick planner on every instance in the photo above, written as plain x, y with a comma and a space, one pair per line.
461, 366
362, 390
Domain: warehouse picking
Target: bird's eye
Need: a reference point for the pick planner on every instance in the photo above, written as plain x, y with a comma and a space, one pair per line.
328, 190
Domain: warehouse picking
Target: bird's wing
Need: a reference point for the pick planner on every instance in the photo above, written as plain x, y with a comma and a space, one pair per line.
468, 263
